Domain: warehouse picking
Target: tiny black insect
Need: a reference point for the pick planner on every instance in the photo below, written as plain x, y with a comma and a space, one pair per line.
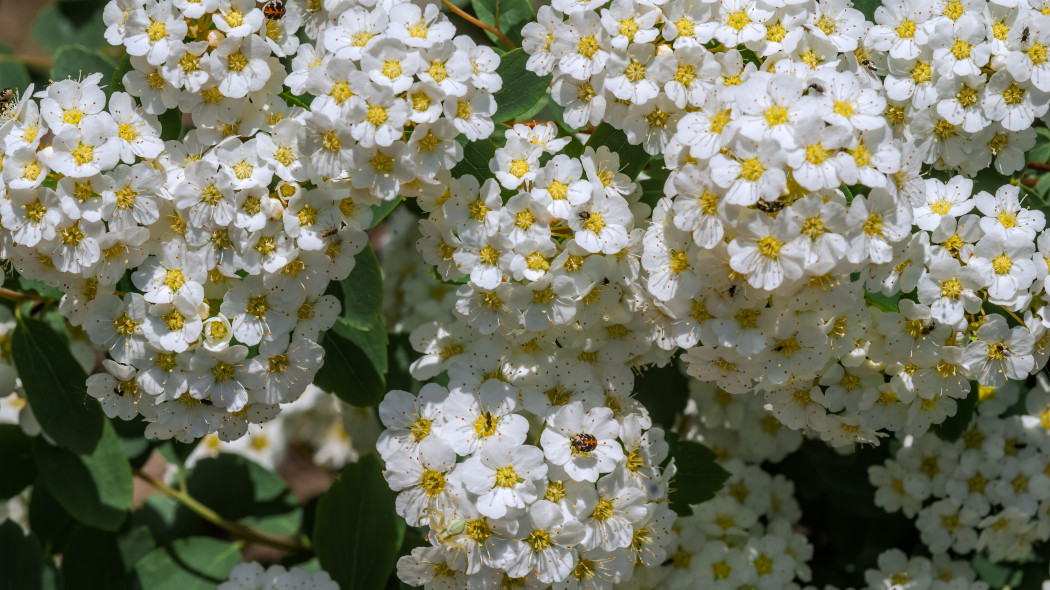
605, 281
816, 87
329, 233
732, 291
584, 443
869, 64
1024, 35
274, 10
928, 327
584, 215
488, 421
1001, 348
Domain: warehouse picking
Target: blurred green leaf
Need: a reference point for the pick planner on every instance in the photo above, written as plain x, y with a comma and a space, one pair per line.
507, 16
194, 563
54, 27
20, 560
77, 62
699, 476
13, 73
54, 386
116, 83
363, 291
521, 90
16, 460
358, 534
239, 489
96, 488
355, 363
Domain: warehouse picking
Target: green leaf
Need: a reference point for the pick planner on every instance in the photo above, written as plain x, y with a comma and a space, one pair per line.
96, 489
26, 285
867, 7
507, 16
116, 83
355, 363
380, 211
77, 62
170, 124
16, 460
664, 391
699, 476
54, 386
239, 489
883, 302
632, 157
194, 563
302, 101
48, 519
91, 561
20, 560
952, 428
363, 291
13, 73
995, 574
358, 534
476, 156
53, 27
521, 88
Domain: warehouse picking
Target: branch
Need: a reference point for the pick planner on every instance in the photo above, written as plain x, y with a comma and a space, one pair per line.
459, 11
1039, 166
243, 532
19, 297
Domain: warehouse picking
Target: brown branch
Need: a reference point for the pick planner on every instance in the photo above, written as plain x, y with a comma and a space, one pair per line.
1039, 166
470, 19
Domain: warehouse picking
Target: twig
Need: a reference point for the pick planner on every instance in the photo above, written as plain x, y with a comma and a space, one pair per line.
1039, 166
246, 533
470, 19
19, 297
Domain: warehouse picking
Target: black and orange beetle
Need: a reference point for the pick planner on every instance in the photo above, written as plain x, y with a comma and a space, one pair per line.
274, 10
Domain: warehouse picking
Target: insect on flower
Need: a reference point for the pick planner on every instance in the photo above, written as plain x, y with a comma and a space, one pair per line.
584, 442
6, 98
274, 10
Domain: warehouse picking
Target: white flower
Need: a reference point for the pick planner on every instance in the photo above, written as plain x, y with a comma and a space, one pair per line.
504, 476
582, 442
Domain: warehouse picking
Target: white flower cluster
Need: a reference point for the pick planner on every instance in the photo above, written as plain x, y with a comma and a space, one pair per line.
743, 537
939, 572
737, 426
759, 259
253, 576
989, 490
201, 265
585, 505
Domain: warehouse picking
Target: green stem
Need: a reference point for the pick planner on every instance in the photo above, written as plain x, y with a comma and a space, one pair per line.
243, 532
